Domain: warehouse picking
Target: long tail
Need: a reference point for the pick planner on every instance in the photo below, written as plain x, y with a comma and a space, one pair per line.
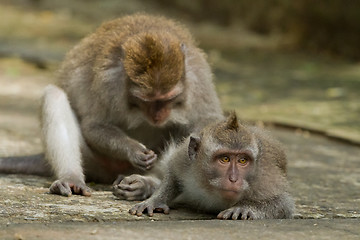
32, 165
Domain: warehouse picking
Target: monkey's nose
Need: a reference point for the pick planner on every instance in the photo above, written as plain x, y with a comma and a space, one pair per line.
233, 178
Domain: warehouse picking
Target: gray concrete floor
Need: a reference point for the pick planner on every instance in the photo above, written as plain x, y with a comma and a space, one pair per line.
189, 229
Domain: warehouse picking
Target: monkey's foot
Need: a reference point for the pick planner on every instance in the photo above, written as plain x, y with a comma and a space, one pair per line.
67, 188
150, 207
243, 213
135, 187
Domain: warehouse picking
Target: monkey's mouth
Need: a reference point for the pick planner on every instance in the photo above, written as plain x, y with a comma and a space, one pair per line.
157, 123
229, 193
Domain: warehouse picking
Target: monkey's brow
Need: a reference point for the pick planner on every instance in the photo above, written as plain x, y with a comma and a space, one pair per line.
224, 152
161, 98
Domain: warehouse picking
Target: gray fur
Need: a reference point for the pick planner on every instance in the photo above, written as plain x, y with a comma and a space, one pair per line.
264, 193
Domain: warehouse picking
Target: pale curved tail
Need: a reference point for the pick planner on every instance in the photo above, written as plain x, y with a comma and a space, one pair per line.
31, 165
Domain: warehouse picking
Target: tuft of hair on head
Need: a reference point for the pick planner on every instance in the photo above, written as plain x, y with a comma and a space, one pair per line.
154, 61
232, 122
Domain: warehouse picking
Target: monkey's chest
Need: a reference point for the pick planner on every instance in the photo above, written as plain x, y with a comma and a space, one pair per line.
196, 197
155, 138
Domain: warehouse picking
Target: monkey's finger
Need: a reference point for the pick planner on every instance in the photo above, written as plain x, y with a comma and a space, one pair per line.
140, 208
118, 180
134, 180
134, 210
251, 215
236, 213
60, 188
128, 180
149, 159
133, 196
81, 189
150, 162
224, 214
148, 151
131, 187
85, 191
141, 163
150, 211
165, 208
152, 155
119, 194
244, 215
75, 189
227, 215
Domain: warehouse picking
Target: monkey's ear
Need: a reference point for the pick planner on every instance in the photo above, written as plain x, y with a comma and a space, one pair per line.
193, 148
232, 122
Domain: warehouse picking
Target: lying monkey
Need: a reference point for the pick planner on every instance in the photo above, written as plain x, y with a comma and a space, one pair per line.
229, 169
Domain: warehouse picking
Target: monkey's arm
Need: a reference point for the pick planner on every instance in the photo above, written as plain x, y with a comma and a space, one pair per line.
281, 206
168, 191
111, 141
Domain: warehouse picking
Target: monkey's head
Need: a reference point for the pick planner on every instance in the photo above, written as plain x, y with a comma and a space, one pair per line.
154, 64
225, 156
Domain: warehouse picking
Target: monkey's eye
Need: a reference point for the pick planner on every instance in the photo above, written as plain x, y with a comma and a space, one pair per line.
243, 160
225, 159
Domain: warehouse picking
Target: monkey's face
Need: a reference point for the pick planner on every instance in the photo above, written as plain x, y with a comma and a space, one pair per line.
156, 106
227, 173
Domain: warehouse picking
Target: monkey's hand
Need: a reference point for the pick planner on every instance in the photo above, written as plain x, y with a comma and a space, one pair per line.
141, 157
135, 187
150, 206
238, 212
68, 187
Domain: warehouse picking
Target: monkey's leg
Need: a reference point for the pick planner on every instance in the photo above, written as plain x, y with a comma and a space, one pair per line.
135, 187
62, 140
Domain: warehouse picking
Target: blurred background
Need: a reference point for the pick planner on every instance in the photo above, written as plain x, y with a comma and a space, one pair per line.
290, 63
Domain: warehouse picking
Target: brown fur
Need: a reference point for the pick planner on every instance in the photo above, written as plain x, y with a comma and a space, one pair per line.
150, 59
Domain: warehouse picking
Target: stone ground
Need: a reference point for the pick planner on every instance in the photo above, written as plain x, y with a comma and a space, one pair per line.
324, 175
316, 99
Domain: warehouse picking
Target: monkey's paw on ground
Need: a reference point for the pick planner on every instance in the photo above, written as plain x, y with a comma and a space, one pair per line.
234, 213
135, 187
150, 207
67, 188
132, 188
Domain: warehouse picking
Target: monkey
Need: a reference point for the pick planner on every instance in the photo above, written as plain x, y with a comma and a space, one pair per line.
230, 169
120, 95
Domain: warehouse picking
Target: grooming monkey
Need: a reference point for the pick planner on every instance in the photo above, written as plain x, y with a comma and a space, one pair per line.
121, 94
229, 169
